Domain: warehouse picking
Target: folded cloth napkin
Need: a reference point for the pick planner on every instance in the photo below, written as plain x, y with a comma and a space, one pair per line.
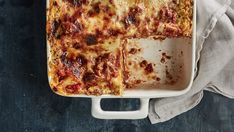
214, 60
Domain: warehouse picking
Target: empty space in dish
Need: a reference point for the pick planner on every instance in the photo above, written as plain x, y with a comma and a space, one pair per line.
154, 65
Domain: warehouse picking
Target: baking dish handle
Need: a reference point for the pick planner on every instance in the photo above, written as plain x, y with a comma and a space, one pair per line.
97, 111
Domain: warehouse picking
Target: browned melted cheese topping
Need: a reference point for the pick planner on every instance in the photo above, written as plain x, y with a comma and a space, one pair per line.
85, 39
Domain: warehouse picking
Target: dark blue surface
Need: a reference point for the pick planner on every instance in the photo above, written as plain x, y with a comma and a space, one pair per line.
27, 104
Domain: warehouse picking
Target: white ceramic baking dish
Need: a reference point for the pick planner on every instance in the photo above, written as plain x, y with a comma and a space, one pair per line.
185, 62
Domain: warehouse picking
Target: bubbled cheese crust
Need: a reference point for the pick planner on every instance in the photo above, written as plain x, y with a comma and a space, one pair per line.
86, 39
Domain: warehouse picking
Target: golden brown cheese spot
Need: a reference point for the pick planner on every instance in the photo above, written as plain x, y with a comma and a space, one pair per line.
106, 66
72, 89
172, 30
158, 79
65, 60
71, 28
149, 68
95, 9
167, 15
77, 45
77, 3
61, 74
89, 77
98, 9
91, 39
56, 29
96, 91
132, 17
75, 65
82, 61
143, 63
114, 32
138, 81
55, 3
133, 51
54, 89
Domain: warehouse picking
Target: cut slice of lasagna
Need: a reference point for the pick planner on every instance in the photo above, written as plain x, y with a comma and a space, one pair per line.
92, 70
86, 39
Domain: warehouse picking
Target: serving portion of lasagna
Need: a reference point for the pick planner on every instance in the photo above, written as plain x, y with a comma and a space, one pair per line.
87, 39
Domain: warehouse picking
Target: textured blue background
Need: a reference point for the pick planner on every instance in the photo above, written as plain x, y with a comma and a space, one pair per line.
27, 104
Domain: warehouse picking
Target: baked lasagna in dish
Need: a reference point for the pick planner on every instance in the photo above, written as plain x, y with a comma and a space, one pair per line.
87, 39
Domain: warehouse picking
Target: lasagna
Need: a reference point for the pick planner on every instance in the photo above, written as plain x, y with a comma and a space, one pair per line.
87, 39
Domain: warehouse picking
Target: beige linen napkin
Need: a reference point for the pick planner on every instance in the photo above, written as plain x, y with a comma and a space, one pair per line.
214, 59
